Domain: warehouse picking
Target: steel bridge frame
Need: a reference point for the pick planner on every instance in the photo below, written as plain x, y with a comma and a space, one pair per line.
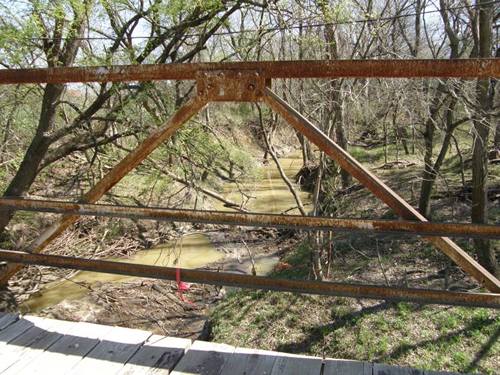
250, 82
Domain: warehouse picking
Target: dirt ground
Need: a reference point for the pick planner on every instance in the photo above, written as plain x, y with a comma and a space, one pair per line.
152, 305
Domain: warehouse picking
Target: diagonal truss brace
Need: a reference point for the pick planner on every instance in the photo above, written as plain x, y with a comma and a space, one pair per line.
378, 188
132, 160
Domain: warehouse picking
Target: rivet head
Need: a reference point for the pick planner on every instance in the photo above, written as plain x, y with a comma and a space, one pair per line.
251, 86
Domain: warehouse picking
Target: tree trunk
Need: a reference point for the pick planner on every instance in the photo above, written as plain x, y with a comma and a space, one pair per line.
403, 137
401, 133
496, 142
431, 171
28, 169
496, 98
479, 215
340, 134
304, 143
317, 243
336, 100
60, 56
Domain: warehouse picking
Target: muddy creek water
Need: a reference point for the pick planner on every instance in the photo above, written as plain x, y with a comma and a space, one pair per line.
269, 194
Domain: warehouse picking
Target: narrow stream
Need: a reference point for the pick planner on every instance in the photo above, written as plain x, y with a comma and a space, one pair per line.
193, 250
269, 193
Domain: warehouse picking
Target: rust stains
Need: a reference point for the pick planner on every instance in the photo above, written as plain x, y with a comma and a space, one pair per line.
441, 297
255, 220
459, 68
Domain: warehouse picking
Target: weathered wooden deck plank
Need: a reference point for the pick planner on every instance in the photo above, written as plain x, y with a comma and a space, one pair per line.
111, 354
382, 369
46, 332
14, 330
158, 355
205, 358
347, 367
7, 319
250, 361
288, 364
28, 346
34, 345
66, 352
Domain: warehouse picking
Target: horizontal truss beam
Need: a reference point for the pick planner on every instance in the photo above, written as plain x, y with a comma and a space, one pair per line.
254, 220
257, 282
459, 68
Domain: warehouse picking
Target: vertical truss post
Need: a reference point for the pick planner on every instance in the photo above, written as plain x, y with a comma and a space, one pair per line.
378, 188
132, 160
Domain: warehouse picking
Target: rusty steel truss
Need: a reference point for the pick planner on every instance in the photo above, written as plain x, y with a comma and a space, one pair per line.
251, 82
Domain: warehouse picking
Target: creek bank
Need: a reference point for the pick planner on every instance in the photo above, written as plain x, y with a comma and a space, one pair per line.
155, 305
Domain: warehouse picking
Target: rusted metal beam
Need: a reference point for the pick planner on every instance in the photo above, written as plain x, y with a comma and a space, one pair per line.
464, 68
254, 219
257, 282
231, 85
378, 188
132, 160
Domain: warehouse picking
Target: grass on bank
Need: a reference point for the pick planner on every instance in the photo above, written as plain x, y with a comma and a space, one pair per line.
428, 337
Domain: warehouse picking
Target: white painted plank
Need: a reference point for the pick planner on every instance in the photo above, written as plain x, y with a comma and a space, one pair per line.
8, 319
250, 361
158, 355
66, 352
205, 358
46, 323
35, 345
111, 354
287, 364
347, 367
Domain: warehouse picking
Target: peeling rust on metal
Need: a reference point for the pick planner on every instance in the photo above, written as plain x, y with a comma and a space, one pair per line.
230, 85
257, 282
254, 219
460, 68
